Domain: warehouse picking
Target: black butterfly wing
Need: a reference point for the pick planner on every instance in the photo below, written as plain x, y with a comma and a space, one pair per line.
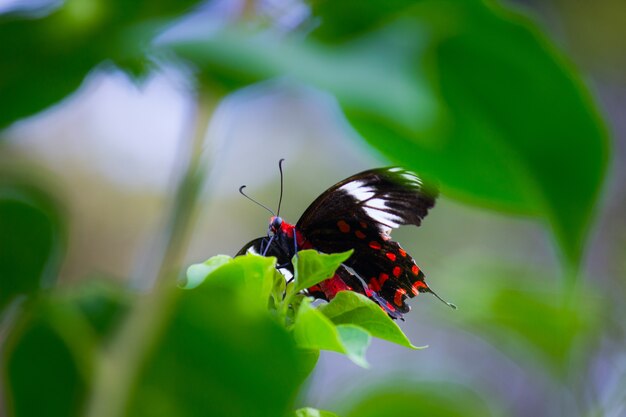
277, 248
253, 246
359, 213
385, 197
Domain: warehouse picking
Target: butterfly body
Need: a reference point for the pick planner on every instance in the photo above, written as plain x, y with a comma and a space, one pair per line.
359, 214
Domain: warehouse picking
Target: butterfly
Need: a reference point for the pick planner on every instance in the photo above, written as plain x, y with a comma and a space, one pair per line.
358, 213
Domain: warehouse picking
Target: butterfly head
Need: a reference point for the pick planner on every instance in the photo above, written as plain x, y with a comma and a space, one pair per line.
275, 224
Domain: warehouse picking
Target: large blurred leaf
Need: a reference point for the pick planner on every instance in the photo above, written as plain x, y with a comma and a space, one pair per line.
460, 90
48, 358
525, 313
307, 360
47, 361
43, 60
215, 358
414, 399
31, 239
103, 302
363, 17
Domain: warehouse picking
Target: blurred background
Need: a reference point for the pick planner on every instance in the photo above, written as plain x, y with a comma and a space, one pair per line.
112, 154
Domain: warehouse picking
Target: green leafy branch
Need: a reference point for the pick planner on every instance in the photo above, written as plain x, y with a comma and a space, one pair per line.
345, 325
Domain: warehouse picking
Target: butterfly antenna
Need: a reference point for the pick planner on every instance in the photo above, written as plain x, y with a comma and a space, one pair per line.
253, 200
441, 299
280, 199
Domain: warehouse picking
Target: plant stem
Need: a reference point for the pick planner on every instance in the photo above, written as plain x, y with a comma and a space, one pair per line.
120, 365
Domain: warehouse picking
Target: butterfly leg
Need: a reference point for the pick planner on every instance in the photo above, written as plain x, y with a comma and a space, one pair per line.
295, 242
268, 245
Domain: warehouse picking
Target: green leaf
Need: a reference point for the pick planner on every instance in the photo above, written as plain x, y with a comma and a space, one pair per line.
258, 274
312, 330
197, 273
465, 92
312, 267
349, 307
307, 359
278, 289
251, 277
313, 412
31, 239
355, 341
212, 358
409, 398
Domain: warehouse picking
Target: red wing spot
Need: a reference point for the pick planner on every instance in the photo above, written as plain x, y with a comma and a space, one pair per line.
374, 284
368, 292
375, 245
396, 271
363, 225
390, 307
343, 226
382, 278
391, 256
402, 252
397, 298
415, 269
359, 234
416, 286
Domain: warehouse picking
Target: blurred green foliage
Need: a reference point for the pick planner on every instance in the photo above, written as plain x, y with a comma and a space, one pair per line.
48, 355
520, 309
32, 238
44, 60
196, 366
410, 398
467, 92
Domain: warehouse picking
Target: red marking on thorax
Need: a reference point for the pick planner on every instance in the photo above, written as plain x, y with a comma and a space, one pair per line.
288, 229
